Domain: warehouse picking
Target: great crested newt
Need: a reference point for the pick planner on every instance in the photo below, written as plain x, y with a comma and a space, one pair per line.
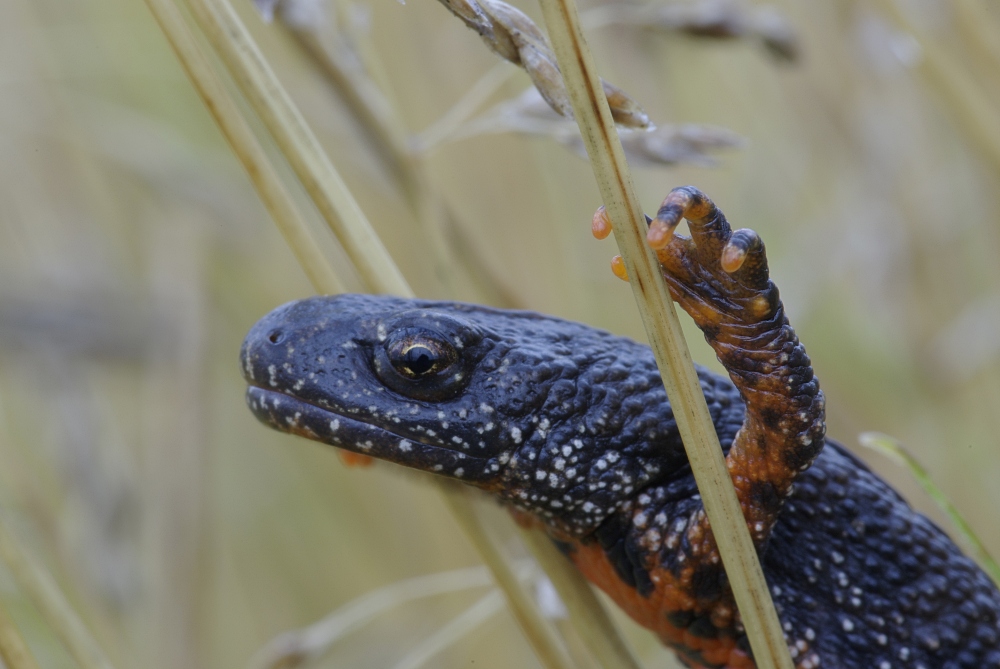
572, 426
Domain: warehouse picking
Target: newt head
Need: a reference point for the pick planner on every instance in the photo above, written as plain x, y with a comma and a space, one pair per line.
557, 418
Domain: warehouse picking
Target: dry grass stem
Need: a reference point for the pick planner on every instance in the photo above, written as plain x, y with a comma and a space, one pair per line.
343, 69
694, 423
510, 34
39, 587
455, 629
296, 647
14, 650
248, 150
895, 451
445, 127
340, 58
297, 142
663, 145
959, 90
241, 54
714, 19
542, 635
339, 61
983, 29
597, 630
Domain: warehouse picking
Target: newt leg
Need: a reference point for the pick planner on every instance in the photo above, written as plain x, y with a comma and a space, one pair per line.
720, 278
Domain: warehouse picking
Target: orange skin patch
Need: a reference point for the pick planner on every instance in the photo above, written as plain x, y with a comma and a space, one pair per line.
349, 459
651, 612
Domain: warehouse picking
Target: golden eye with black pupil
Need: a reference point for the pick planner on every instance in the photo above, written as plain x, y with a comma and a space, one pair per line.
418, 360
420, 357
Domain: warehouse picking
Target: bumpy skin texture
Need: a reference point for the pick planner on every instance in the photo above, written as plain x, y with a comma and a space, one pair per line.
572, 425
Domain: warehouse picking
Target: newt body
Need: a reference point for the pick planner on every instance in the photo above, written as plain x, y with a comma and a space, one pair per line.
572, 425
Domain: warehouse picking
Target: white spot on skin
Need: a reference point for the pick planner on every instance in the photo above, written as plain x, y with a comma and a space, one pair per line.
515, 433
602, 464
847, 625
381, 332
334, 425
459, 473
541, 474
405, 446
272, 370
567, 451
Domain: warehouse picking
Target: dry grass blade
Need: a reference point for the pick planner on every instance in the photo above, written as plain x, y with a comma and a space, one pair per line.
343, 68
895, 451
264, 91
596, 628
296, 647
714, 19
542, 635
43, 592
663, 145
465, 622
13, 650
663, 329
269, 99
246, 147
512, 35
958, 89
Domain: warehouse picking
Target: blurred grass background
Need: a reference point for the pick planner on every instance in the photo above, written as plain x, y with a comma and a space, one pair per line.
134, 255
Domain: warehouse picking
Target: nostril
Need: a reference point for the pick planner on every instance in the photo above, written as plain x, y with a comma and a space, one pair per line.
276, 336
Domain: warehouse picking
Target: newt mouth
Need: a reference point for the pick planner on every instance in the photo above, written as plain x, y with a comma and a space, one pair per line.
290, 414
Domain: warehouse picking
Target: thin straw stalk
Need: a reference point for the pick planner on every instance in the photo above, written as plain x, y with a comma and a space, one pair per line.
348, 73
255, 78
455, 629
542, 635
587, 614
663, 329
248, 150
14, 650
382, 275
957, 87
39, 587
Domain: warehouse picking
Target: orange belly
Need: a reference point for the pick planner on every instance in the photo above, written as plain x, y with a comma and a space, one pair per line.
651, 612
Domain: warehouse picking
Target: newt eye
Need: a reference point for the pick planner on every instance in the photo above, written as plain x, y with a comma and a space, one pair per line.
420, 357
419, 360
425, 356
